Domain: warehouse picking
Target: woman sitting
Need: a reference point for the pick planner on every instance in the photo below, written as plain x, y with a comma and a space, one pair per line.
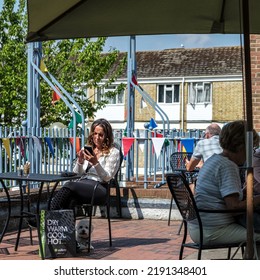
96, 168
224, 190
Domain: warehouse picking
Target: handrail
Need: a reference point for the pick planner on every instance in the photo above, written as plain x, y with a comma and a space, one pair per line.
65, 101
74, 102
157, 108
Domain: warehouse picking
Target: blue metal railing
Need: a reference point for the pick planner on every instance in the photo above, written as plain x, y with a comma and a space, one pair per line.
55, 149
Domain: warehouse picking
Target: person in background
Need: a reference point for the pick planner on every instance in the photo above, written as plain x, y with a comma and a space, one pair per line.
205, 148
219, 187
97, 167
256, 166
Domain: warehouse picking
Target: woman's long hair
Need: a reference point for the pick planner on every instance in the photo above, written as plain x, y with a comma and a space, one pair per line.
108, 137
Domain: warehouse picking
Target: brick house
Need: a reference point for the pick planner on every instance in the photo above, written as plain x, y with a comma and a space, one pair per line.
194, 87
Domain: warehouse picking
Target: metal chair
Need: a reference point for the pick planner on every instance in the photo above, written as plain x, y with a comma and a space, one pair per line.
114, 182
90, 209
177, 162
184, 199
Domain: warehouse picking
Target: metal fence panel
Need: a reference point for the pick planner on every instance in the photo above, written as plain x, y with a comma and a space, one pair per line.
53, 151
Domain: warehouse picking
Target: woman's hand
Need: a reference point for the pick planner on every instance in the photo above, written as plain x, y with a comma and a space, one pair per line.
92, 158
81, 156
84, 154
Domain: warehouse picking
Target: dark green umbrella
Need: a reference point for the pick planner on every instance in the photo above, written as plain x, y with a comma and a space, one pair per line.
59, 19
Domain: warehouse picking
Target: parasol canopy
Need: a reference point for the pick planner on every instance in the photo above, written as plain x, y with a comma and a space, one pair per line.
61, 19
65, 19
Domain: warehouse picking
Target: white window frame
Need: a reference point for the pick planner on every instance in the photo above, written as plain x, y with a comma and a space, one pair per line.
84, 95
116, 100
167, 88
200, 93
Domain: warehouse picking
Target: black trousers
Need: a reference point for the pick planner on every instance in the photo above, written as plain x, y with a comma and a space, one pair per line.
79, 192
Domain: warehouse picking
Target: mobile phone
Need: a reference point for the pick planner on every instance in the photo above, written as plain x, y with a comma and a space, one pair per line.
89, 149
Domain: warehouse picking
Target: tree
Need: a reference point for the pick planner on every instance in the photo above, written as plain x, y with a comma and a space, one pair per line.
73, 63
13, 63
78, 64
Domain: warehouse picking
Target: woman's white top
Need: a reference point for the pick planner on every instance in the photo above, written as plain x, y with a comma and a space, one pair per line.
104, 171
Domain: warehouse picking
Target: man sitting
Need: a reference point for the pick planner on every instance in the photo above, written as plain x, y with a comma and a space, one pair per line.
205, 148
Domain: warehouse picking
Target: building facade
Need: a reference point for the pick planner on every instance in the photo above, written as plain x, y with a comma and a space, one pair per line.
194, 87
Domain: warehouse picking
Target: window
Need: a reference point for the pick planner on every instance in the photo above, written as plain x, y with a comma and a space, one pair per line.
199, 93
81, 93
168, 93
117, 99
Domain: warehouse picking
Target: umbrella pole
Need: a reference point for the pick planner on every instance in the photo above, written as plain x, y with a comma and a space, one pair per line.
249, 253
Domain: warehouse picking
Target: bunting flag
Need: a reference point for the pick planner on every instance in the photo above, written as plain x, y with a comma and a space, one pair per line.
6, 142
157, 144
140, 140
187, 145
125, 131
20, 144
166, 142
127, 144
55, 95
37, 143
152, 124
78, 120
178, 146
157, 134
43, 67
134, 81
143, 104
49, 143
71, 139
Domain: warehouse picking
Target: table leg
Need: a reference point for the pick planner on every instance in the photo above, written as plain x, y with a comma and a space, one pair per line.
9, 210
21, 216
38, 221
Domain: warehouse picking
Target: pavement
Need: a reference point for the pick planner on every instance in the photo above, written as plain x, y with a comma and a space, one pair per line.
133, 239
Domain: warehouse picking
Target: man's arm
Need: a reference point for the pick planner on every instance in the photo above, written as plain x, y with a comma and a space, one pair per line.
190, 165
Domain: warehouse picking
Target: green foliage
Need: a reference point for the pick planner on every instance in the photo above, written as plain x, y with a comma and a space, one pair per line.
78, 64
13, 68
73, 63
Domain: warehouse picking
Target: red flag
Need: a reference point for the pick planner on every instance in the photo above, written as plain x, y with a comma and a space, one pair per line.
77, 143
19, 142
179, 146
127, 143
55, 95
156, 134
134, 80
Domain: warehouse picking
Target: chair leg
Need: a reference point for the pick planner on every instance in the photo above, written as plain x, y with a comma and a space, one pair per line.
180, 227
109, 225
90, 228
170, 212
229, 253
118, 203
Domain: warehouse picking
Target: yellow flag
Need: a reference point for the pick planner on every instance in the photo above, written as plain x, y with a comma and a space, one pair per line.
43, 67
6, 143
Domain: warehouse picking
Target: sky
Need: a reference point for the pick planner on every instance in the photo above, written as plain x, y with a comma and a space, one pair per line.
161, 42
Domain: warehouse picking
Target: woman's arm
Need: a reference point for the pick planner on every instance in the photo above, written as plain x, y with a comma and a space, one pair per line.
232, 202
81, 163
108, 169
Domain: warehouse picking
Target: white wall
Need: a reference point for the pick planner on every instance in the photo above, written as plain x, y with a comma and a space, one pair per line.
111, 112
171, 110
199, 112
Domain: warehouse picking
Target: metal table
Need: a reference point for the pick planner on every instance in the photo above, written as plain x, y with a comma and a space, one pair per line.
42, 178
